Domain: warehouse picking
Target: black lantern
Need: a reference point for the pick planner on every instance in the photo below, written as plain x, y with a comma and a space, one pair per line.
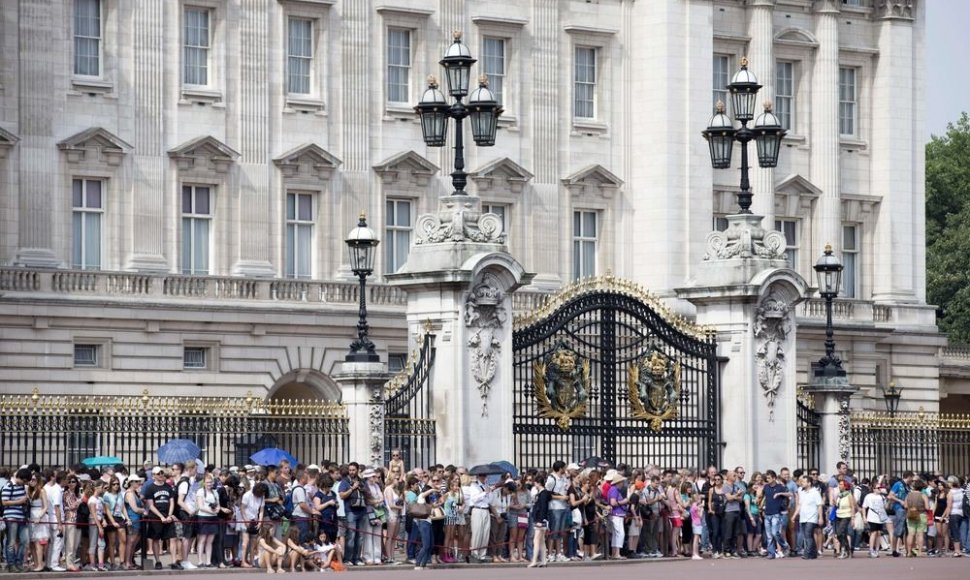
720, 138
458, 62
744, 89
828, 269
362, 242
892, 396
433, 110
483, 111
768, 134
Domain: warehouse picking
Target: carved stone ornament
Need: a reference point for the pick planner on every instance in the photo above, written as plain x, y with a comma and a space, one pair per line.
562, 385
772, 323
485, 311
845, 429
459, 220
745, 238
375, 423
894, 9
654, 388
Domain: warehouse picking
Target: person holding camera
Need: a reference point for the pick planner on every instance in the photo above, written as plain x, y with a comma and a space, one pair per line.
207, 502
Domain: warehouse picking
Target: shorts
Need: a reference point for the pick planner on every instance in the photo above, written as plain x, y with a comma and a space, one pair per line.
187, 530
677, 522
160, 531
874, 527
698, 530
917, 526
341, 527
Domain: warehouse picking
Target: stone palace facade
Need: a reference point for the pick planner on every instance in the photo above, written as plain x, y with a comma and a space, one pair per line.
177, 177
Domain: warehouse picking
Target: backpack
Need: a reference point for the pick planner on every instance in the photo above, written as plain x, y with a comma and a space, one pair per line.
288, 501
913, 508
83, 513
863, 492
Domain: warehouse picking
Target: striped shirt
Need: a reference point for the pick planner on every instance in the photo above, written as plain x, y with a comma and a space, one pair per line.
13, 492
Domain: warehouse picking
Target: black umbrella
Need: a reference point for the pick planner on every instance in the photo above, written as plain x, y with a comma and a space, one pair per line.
487, 469
596, 463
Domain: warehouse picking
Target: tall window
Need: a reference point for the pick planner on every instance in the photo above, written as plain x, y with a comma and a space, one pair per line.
584, 244
195, 47
196, 224
497, 209
299, 235
722, 76
87, 37
493, 64
850, 261
585, 83
88, 208
398, 65
790, 229
847, 101
397, 234
299, 56
785, 93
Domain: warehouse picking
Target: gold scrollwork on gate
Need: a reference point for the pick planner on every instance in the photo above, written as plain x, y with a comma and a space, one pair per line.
654, 383
562, 386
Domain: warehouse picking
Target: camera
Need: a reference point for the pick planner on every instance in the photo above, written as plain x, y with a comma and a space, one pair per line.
510, 485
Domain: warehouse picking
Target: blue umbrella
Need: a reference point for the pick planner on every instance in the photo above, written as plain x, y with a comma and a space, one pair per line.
272, 456
503, 467
178, 451
101, 460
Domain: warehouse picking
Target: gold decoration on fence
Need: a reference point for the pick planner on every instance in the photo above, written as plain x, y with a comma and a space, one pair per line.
610, 283
654, 388
562, 386
145, 404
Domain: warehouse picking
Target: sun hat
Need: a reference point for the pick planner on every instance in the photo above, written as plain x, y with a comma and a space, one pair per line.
368, 473
313, 467
617, 477
609, 475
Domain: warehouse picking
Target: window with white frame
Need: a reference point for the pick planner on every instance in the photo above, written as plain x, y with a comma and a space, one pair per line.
850, 261
195, 46
87, 38
87, 355
195, 357
196, 228
299, 56
493, 64
299, 235
398, 65
790, 229
785, 93
86, 217
847, 101
397, 234
722, 76
584, 243
584, 81
498, 209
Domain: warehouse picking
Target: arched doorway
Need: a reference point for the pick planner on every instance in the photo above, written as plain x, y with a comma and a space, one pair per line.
305, 384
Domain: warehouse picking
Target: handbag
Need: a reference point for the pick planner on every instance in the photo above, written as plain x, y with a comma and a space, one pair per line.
419, 510
858, 522
437, 513
522, 521
274, 511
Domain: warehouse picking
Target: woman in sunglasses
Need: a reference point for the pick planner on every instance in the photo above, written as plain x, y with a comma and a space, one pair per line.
72, 533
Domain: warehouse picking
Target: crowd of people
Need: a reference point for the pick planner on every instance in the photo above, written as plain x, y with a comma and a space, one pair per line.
307, 517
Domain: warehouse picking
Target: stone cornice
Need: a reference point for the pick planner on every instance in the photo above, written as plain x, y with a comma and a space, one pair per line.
108, 146
206, 147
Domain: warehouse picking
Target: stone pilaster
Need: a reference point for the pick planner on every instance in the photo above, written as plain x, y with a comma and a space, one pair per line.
362, 393
761, 61
825, 128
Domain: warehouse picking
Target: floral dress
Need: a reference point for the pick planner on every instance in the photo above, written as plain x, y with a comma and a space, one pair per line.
454, 509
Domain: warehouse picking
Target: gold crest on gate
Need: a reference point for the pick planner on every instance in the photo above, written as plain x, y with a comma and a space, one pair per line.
654, 388
562, 386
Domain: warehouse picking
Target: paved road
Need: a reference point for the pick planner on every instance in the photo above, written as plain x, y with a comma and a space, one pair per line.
749, 569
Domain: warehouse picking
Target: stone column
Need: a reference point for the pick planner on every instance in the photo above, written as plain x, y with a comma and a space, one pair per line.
362, 392
825, 127
834, 428
761, 61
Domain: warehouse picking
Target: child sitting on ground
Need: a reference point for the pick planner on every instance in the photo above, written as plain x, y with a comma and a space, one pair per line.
327, 554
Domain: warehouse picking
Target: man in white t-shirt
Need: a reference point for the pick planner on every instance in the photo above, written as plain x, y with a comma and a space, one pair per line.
55, 515
302, 512
809, 507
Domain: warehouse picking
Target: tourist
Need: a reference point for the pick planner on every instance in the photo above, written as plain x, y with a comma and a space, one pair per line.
15, 508
115, 526
135, 509
809, 506
251, 507
916, 506
845, 509
160, 512
478, 499
271, 551
40, 529
96, 533
207, 516
897, 509
874, 506
72, 534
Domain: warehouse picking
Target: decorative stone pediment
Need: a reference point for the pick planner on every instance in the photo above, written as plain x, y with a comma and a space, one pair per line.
94, 144
794, 196
501, 171
7, 141
204, 152
593, 179
405, 167
796, 37
308, 161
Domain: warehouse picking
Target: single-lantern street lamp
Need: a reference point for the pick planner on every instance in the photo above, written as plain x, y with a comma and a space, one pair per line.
482, 109
766, 132
892, 396
362, 243
828, 269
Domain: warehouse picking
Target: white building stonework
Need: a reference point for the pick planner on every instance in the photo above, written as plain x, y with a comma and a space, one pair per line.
176, 178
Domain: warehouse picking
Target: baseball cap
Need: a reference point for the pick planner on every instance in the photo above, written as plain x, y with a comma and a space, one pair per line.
156, 470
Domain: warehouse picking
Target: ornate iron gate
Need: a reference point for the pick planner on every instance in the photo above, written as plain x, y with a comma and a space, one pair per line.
409, 425
808, 433
605, 369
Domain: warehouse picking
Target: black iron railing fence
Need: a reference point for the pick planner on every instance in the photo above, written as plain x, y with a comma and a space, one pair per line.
919, 442
409, 424
809, 435
62, 430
